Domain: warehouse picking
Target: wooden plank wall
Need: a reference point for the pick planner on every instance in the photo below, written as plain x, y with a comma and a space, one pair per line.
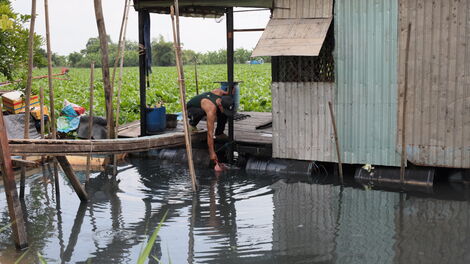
301, 123
438, 109
303, 8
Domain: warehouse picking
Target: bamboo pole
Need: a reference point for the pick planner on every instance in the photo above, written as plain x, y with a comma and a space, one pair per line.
30, 69
121, 66
108, 90
333, 120
403, 128
52, 121
28, 89
179, 66
90, 121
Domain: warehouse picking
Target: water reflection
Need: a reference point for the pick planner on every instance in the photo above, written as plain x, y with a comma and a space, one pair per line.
239, 218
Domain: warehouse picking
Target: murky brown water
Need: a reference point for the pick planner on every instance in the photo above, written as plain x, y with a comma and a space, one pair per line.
240, 218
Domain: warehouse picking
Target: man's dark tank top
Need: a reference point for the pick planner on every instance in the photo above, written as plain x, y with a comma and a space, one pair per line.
196, 100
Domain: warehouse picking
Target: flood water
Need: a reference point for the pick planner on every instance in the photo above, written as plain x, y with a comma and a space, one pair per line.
238, 217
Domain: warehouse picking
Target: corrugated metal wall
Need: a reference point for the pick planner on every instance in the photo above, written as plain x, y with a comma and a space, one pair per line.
438, 108
302, 126
303, 8
366, 33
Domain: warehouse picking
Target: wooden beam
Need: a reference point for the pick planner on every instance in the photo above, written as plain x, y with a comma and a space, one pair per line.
14, 205
77, 186
102, 146
23, 163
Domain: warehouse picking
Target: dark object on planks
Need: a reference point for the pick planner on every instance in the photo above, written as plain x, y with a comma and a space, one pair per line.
265, 125
99, 130
239, 117
171, 120
15, 127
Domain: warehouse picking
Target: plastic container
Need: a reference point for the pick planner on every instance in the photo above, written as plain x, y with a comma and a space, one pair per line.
236, 96
156, 119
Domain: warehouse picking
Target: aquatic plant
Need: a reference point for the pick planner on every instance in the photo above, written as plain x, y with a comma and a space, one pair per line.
144, 255
255, 89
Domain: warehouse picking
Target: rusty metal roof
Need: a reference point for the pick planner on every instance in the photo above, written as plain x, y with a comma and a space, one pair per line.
199, 8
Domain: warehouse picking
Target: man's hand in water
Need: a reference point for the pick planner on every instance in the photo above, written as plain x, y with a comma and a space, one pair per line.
213, 157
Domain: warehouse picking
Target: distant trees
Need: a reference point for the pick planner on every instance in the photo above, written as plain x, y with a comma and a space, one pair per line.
163, 54
14, 43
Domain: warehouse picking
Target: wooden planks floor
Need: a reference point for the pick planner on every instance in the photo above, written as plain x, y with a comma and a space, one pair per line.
245, 129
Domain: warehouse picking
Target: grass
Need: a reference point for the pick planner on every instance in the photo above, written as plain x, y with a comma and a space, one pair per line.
255, 87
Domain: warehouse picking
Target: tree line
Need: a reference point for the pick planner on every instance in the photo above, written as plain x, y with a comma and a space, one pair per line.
163, 54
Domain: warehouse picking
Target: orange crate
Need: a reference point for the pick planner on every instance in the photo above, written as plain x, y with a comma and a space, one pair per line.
18, 106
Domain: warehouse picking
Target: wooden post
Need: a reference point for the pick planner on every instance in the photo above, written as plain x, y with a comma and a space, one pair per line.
230, 73
108, 90
90, 121
77, 186
142, 77
403, 127
333, 120
14, 206
179, 65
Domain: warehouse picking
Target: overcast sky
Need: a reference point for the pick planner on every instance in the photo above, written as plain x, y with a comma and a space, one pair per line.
73, 23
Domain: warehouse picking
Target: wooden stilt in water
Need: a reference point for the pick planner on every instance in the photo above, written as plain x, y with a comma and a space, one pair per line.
14, 206
90, 121
338, 152
52, 122
403, 126
77, 186
179, 65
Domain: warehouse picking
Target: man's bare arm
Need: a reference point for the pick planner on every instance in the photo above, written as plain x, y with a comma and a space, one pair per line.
211, 116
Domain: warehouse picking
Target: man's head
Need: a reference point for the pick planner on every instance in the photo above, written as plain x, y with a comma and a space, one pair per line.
226, 105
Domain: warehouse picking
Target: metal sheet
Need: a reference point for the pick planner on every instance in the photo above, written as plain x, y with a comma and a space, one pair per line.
303, 9
292, 37
438, 94
366, 34
302, 126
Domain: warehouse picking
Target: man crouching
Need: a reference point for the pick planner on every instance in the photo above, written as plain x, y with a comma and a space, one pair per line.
216, 105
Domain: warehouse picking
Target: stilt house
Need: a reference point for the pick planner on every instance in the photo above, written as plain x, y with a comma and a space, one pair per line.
353, 53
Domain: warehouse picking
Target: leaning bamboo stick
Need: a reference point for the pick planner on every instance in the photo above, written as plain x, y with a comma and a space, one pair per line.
179, 66
49, 71
28, 90
90, 121
403, 126
121, 66
30, 69
108, 89
333, 120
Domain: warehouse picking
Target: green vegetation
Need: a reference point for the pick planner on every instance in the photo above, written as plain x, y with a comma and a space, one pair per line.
255, 87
